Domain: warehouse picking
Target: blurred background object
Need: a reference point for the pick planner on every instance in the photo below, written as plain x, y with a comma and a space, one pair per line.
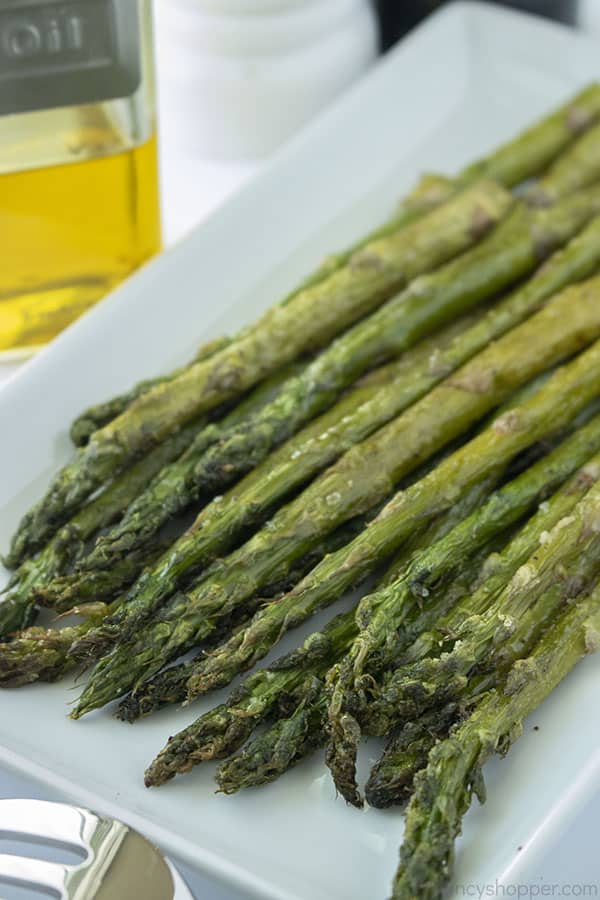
78, 170
245, 75
238, 77
399, 17
588, 16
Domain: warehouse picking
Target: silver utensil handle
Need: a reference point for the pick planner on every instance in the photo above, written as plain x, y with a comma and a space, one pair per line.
115, 859
59, 823
34, 873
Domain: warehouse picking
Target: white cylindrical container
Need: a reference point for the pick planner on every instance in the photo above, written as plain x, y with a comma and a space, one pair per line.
239, 77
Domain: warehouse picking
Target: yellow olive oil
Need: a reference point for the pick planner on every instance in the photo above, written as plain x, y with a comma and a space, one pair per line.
79, 204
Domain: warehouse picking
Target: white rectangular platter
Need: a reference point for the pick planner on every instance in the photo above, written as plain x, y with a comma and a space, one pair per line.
470, 77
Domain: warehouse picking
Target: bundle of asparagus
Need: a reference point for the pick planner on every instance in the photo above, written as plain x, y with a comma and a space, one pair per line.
445, 786
429, 396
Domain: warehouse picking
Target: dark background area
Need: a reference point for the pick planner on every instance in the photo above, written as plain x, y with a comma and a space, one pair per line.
399, 16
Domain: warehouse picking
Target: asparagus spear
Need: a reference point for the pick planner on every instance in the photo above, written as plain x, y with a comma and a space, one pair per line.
392, 777
280, 747
443, 791
225, 728
157, 502
268, 693
370, 405
171, 685
419, 636
383, 615
18, 608
562, 566
39, 579
101, 414
42, 654
66, 591
578, 167
517, 160
295, 735
279, 336
510, 252
534, 149
502, 509
368, 471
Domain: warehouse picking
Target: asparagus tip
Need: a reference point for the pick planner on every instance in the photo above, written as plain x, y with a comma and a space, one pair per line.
156, 774
341, 758
129, 710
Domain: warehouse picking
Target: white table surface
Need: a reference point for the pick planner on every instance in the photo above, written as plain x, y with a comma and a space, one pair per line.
191, 188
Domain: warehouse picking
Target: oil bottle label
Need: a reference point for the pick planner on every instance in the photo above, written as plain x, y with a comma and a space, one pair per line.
67, 53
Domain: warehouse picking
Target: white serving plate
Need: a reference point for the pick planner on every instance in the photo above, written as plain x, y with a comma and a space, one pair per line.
470, 77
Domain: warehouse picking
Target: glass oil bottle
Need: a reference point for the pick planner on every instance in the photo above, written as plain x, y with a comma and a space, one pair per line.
79, 204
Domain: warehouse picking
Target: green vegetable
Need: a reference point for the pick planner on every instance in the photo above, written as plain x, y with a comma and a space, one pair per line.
391, 781
225, 728
95, 417
536, 147
371, 404
18, 610
444, 790
564, 566
382, 615
504, 508
577, 167
521, 158
171, 685
367, 473
158, 500
313, 317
